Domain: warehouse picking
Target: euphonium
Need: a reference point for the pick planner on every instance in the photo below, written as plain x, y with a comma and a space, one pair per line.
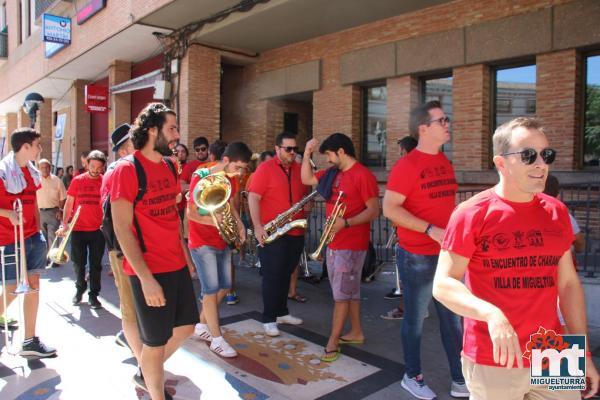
284, 222
59, 255
339, 209
212, 194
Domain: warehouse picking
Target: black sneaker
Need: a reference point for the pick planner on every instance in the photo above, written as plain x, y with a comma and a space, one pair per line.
121, 340
34, 348
138, 380
77, 298
94, 303
393, 295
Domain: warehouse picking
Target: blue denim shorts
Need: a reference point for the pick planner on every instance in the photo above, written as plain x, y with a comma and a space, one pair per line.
35, 253
213, 267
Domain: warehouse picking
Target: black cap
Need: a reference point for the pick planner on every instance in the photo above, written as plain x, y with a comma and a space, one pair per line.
119, 136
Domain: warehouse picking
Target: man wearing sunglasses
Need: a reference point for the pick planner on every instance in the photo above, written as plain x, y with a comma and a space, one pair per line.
419, 199
511, 244
276, 186
200, 146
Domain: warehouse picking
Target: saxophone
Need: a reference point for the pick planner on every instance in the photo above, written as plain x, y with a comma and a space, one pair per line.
285, 222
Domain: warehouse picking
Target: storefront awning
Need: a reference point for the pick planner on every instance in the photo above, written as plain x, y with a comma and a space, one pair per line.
141, 82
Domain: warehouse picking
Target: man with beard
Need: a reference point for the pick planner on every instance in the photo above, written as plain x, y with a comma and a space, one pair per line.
276, 186
87, 241
356, 187
155, 261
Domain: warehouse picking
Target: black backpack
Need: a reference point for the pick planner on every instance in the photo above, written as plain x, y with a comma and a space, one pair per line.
107, 224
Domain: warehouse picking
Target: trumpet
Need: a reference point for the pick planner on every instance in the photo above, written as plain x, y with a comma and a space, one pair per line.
59, 255
212, 194
20, 263
339, 209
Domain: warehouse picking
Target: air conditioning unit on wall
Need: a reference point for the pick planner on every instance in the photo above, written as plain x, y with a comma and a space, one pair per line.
162, 90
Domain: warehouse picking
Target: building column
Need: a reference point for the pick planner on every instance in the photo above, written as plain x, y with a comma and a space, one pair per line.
471, 139
200, 95
120, 104
12, 123
402, 97
44, 125
79, 129
336, 108
22, 119
559, 94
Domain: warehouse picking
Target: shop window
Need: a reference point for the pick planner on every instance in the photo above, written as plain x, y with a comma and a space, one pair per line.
514, 93
591, 142
374, 126
440, 89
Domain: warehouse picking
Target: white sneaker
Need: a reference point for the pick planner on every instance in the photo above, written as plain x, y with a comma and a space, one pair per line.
417, 387
221, 347
288, 319
203, 333
459, 390
271, 329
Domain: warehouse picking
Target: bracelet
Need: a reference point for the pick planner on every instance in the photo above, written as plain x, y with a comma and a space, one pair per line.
428, 229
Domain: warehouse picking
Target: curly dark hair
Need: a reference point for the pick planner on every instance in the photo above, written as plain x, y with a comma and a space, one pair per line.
153, 115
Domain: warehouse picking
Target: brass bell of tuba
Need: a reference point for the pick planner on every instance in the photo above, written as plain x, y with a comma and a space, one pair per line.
212, 194
59, 255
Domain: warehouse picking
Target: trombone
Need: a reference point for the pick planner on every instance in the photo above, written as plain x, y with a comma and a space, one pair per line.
59, 255
19, 260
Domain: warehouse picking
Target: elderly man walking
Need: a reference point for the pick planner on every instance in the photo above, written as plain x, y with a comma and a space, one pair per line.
51, 198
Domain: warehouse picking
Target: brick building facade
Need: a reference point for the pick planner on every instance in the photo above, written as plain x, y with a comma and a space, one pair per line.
243, 87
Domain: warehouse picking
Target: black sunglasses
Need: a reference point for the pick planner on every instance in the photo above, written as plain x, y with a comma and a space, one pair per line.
528, 155
289, 149
197, 149
441, 121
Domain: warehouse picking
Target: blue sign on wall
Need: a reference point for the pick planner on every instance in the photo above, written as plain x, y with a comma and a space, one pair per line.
56, 29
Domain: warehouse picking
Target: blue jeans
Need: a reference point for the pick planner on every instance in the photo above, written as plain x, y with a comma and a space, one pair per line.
35, 254
417, 272
213, 267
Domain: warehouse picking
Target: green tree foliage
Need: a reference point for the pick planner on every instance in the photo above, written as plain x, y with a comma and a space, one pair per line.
592, 122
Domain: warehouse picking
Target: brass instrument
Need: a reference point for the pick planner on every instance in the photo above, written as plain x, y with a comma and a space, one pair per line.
176, 160
285, 222
212, 194
327, 236
59, 255
20, 263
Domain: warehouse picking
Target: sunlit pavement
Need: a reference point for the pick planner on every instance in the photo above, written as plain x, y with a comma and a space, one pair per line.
89, 364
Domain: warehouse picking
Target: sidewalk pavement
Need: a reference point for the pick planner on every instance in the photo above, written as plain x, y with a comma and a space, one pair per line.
90, 365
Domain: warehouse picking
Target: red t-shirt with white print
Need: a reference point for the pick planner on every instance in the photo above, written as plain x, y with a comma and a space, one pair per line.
29, 202
513, 251
156, 212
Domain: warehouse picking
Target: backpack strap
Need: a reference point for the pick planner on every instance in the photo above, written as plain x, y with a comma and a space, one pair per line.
171, 165
142, 186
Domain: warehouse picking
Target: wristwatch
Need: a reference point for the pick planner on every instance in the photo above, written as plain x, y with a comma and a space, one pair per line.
428, 229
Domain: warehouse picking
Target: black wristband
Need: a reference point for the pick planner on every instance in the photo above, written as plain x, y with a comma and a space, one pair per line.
346, 224
428, 229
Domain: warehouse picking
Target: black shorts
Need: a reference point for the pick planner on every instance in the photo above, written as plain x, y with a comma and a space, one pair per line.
156, 323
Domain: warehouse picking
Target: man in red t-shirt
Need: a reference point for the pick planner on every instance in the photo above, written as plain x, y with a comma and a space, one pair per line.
346, 253
511, 245
148, 232
276, 186
87, 238
418, 200
211, 254
19, 180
